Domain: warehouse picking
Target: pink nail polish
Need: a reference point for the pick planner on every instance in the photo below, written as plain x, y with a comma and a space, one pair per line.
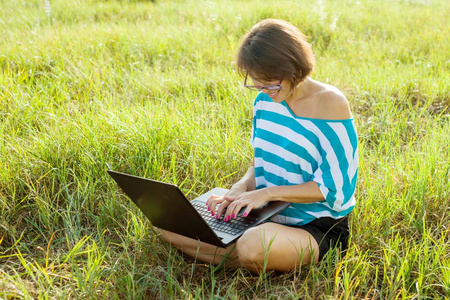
212, 213
245, 214
217, 217
233, 216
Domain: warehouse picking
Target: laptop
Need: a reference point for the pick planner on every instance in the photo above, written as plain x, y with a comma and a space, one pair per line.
167, 207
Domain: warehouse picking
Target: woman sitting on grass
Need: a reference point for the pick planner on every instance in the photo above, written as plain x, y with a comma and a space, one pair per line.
305, 153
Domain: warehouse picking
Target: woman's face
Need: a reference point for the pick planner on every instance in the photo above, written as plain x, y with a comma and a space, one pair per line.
275, 95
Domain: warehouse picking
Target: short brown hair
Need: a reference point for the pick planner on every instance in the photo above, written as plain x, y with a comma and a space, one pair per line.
274, 50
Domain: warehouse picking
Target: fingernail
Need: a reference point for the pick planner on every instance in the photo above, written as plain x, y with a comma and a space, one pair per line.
208, 208
245, 214
212, 213
232, 216
226, 219
217, 217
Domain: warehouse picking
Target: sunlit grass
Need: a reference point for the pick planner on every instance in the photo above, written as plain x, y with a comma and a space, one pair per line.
149, 88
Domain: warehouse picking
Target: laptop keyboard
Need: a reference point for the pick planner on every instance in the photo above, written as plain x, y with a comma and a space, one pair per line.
233, 226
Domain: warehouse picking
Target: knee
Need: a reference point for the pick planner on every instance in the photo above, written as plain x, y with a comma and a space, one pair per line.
251, 249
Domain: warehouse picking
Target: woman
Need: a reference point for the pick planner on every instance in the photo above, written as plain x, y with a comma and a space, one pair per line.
305, 153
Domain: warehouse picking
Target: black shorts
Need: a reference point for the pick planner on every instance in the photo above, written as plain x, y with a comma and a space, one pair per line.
329, 233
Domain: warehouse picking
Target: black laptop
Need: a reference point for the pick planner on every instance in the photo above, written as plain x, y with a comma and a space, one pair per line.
168, 208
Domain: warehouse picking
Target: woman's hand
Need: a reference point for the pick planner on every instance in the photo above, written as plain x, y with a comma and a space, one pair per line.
234, 201
250, 200
223, 201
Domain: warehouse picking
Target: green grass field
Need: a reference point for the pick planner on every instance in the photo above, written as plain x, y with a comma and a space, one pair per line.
150, 88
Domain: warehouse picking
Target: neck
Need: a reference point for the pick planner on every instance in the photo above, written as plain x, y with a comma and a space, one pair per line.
298, 92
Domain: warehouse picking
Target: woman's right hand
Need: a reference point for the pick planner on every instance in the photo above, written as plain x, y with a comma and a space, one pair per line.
223, 201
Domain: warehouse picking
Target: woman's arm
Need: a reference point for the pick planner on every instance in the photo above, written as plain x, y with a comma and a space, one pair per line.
247, 183
307, 192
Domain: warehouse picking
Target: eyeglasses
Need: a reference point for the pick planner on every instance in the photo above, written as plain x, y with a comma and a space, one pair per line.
259, 88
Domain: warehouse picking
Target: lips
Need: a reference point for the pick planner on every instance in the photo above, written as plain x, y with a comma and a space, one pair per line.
273, 95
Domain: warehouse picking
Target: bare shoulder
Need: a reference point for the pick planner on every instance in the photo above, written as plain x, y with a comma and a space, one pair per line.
332, 103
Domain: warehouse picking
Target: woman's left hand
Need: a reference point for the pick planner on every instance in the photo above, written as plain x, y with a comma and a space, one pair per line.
251, 200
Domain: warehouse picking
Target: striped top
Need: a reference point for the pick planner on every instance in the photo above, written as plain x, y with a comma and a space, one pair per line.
290, 150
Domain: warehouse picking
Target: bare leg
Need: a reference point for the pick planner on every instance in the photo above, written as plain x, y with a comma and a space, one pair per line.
272, 246
199, 250
269, 246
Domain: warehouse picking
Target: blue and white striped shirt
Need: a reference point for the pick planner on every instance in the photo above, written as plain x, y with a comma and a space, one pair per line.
290, 150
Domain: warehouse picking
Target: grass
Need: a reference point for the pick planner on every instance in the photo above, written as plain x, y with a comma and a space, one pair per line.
149, 88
